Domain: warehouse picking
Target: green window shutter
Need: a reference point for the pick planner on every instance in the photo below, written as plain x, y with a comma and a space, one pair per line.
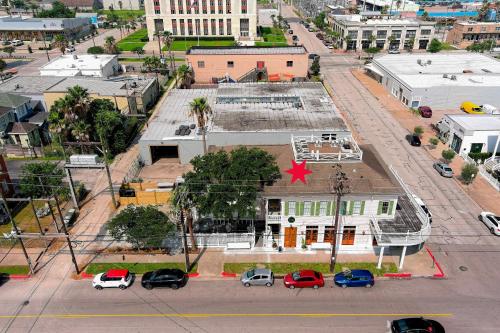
391, 204
318, 206
286, 208
343, 205
362, 210
379, 210
300, 209
351, 207
334, 206
329, 208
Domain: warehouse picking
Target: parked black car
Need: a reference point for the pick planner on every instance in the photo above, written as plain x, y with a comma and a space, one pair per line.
415, 140
313, 56
408, 325
173, 278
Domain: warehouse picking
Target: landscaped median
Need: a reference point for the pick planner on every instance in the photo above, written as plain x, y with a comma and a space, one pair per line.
15, 271
136, 268
133, 41
281, 269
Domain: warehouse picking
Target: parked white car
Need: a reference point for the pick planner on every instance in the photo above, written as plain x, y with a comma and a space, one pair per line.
421, 203
114, 278
491, 221
17, 42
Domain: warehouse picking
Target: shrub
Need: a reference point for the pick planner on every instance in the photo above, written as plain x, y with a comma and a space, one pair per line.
448, 155
469, 172
95, 50
145, 39
480, 157
435, 46
433, 141
418, 130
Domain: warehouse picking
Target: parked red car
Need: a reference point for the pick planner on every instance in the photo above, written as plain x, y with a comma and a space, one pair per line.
304, 279
425, 111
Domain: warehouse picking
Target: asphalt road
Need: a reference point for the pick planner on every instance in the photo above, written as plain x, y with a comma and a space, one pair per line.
226, 306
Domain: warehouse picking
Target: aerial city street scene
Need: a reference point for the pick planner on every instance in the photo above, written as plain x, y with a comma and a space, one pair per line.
250, 166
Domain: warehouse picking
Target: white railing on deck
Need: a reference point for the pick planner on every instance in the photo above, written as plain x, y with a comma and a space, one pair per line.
221, 240
399, 238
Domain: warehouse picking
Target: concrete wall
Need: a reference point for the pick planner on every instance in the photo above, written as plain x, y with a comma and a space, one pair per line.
216, 65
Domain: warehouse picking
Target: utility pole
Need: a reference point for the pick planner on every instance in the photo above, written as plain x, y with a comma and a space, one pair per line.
339, 185
108, 173
18, 233
65, 230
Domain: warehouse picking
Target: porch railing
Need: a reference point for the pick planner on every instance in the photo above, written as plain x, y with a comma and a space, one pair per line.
221, 240
274, 218
399, 238
489, 178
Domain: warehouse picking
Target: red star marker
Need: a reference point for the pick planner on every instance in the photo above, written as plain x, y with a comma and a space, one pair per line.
299, 171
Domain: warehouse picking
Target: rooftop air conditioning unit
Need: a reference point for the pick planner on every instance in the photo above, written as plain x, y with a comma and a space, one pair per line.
453, 77
445, 76
419, 61
429, 62
75, 56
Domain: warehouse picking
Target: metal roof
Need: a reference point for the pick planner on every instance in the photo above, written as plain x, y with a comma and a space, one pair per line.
247, 50
29, 85
12, 101
477, 122
39, 24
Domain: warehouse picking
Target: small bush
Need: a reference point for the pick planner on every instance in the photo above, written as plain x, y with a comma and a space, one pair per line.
95, 50
433, 141
448, 155
418, 130
469, 172
144, 39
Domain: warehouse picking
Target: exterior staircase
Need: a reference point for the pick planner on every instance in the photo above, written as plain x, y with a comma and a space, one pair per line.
253, 75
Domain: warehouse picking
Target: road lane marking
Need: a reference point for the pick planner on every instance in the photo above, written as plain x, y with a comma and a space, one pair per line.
221, 315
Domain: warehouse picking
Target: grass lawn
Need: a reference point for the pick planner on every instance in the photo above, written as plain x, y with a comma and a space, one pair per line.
137, 268
133, 40
26, 219
15, 270
270, 44
273, 35
285, 268
180, 45
124, 14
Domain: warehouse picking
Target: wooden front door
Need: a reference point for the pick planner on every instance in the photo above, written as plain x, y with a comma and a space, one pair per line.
290, 237
329, 232
348, 235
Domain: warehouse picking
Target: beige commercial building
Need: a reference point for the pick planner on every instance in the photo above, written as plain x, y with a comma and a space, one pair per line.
236, 18
465, 33
358, 32
247, 64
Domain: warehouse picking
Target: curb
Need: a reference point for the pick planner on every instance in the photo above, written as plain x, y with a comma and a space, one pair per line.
439, 275
19, 276
398, 275
85, 275
193, 275
228, 275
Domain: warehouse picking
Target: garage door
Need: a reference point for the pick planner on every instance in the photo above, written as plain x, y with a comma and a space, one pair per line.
158, 152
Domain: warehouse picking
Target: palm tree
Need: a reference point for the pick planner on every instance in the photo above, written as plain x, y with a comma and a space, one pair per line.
182, 201
61, 42
185, 74
200, 109
79, 99
168, 40
80, 130
34, 6
110, 45
372, 39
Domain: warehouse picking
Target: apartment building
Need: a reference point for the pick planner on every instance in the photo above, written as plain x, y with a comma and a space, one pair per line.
358, 32
236, 18
465, 33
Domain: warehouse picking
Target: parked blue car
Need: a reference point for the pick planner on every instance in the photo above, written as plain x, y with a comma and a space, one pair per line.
354, 278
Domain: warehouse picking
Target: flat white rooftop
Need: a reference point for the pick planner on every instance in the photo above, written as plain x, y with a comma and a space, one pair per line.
477, 122
79, 62
447, 69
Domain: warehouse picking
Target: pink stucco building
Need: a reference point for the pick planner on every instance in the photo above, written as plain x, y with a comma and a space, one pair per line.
247, 64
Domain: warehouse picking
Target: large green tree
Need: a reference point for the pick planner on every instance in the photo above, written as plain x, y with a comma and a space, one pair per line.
142, 226
226, 184
185, 74
41, 180
59, 10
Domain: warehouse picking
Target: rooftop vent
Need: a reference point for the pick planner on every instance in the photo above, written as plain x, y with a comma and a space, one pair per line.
467, 71
445, 76
17, 86
429, 62
485, 70
453, 77
75, 56
419, 61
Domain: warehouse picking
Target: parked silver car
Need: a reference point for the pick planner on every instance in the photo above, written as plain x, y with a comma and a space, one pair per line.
443, 169
258, 277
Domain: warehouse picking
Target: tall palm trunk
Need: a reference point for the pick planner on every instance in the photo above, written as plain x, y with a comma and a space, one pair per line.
189, 220
204, 141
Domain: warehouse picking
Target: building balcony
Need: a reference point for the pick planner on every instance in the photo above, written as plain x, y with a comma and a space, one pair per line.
325, 149
410, 226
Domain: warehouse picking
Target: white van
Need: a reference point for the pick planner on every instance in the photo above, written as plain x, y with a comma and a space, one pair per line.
489, 109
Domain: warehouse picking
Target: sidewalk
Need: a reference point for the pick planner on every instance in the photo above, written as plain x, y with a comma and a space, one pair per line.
480, 190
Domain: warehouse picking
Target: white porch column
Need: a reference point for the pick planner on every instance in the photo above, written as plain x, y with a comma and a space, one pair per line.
380, 257
402, 259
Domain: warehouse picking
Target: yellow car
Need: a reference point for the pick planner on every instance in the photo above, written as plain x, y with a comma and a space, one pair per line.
471, 108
